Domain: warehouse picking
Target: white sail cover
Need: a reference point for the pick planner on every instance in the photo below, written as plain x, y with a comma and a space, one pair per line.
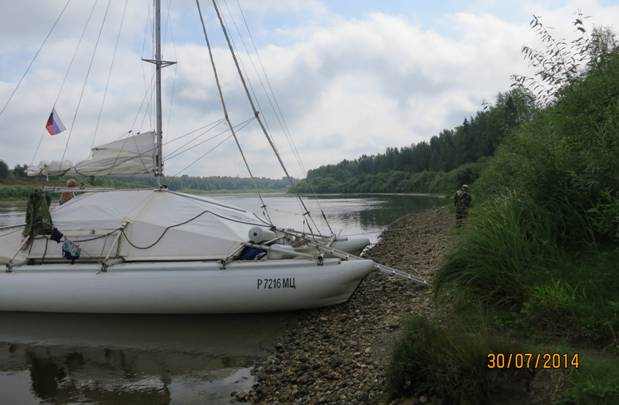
132, 155
158, 225
46, 168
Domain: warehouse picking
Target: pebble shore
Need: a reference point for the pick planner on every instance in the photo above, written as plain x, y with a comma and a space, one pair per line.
339, 354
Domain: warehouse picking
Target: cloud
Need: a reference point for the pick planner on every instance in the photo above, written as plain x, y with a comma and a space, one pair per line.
346, 85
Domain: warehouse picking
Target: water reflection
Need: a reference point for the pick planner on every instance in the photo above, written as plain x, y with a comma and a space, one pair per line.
133, 359
393, 207
61, 375
356, 214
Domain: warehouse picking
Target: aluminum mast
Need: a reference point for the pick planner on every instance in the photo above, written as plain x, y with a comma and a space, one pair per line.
159, 64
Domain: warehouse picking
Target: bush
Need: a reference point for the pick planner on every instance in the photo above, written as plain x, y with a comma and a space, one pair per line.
567, 159
542, 242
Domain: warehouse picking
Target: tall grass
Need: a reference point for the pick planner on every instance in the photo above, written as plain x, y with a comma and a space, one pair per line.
543, 240
449, 362
594, 383
506, 247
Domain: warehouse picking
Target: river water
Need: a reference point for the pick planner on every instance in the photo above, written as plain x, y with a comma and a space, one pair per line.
68, 358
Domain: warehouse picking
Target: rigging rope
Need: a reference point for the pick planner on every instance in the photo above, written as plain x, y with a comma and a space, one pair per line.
281, 119
225, 109
92, 58
251, 87
144, 34
66, 74
257, 114
147, 94
170, 111
178, 151
148, 110
213, 125
34, 57
109, 73
212, 149
203, 155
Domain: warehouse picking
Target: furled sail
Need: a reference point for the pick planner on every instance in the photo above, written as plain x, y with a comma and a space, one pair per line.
132, 155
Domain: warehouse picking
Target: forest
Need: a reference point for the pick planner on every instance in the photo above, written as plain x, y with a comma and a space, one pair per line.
454, 156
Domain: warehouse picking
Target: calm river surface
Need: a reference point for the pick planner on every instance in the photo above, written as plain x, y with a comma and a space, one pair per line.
67, 358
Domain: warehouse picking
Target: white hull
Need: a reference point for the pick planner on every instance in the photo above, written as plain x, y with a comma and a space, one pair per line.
351, 245
181, 287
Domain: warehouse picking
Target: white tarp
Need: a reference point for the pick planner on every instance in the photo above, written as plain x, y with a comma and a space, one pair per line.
197, 228
128, 156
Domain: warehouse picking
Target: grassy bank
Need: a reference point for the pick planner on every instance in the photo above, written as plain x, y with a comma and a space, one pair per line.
534, 269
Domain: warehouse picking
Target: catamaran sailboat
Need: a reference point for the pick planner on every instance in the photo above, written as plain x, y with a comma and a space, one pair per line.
161, 251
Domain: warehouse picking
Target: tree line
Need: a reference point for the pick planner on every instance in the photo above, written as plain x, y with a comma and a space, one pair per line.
432, 165
17, 175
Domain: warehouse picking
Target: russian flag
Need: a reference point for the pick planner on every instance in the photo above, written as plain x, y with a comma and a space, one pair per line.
54, 125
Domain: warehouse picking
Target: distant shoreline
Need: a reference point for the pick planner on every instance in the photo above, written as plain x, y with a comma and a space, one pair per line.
385, 194
19, 190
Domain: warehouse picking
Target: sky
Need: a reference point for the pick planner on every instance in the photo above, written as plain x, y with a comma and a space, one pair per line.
350, 77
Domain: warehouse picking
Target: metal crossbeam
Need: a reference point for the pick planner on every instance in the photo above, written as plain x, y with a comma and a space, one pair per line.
399, 273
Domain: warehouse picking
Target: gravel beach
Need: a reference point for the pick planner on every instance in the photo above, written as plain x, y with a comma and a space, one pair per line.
339, 354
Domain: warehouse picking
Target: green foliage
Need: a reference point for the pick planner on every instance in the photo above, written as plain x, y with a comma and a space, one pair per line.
595, 382
19, 188
395, 181
416, 168
567, 159
577, 298
450, 362
15, 192
543, 241
4, 170
495, 255
212, 183
562, 62
19, 171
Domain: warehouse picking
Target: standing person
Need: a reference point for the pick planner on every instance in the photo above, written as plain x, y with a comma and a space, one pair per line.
67, 195
462, 201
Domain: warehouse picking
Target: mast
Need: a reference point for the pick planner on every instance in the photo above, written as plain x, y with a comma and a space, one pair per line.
159, 132
159, 64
